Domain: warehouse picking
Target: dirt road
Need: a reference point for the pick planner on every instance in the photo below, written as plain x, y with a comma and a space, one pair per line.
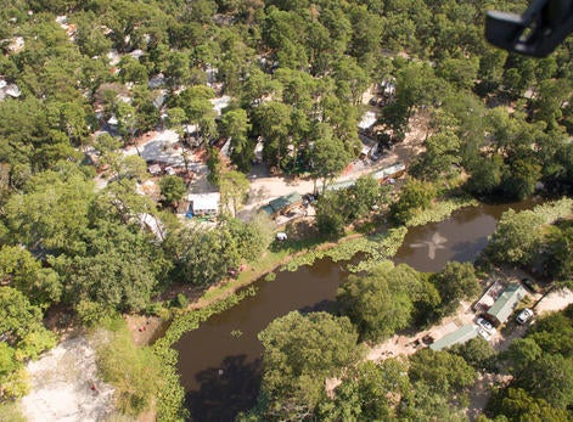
265, 188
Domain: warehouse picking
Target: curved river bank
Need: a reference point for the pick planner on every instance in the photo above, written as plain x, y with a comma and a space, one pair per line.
220, 362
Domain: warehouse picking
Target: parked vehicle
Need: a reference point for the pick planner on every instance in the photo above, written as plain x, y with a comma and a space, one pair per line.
524, 316
281, 236
309, 198
486, 325
484, 334
529, 284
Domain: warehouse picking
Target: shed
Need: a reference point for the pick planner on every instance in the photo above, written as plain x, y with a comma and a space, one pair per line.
159, 98
396, 170
367, 121
204, 203
505, 305
11, 90
220, 103
461, 335
268, 210
112, 121
283, 204
365, 151
156, 81
153, 224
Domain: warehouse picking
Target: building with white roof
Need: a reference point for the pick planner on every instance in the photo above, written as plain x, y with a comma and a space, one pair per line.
367, 121
204, 203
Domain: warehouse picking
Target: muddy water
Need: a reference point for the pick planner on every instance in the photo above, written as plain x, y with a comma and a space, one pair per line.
220, 362
460, 238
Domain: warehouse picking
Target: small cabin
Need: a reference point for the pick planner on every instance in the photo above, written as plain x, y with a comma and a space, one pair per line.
203, 204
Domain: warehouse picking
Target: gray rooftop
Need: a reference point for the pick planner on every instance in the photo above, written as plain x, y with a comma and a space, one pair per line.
463, 334
506, 302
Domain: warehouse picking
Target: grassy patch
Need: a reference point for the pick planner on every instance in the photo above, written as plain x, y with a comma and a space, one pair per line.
135, 372
10, 412
379, 247
553, 211
270, 277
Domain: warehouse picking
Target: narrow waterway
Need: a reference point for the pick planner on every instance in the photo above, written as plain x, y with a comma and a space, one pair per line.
220, 363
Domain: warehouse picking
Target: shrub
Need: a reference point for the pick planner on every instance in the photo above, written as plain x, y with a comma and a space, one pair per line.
180, 301
92, 314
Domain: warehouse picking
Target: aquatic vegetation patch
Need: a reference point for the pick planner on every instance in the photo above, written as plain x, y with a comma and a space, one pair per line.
379, 248
441, 210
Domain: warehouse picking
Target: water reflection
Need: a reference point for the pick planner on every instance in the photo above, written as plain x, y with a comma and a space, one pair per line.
436, 242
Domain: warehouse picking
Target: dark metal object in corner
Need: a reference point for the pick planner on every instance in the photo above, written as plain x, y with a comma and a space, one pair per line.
535, 33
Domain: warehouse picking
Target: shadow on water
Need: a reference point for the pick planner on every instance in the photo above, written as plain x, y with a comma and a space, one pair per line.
225, 391
324, 306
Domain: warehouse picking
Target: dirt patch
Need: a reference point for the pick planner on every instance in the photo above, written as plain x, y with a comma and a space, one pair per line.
557, 300
65, 386
264, 188
143, 328
481, 392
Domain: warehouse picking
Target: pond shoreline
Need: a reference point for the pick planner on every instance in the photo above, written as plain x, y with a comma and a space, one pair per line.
222, 290
381, 242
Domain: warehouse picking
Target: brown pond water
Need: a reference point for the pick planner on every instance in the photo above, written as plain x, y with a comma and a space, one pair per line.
220, 362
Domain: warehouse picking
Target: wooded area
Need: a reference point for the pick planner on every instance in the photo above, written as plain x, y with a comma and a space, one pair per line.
499, 128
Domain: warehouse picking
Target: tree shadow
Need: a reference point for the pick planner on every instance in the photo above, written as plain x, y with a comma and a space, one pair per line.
326, 305
225, 391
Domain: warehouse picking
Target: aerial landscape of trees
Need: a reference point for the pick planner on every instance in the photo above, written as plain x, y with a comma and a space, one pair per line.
78, 237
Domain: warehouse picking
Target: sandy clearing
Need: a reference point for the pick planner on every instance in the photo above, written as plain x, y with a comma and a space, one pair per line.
555, 301
481, 392
264, 189
61, 386
143, 328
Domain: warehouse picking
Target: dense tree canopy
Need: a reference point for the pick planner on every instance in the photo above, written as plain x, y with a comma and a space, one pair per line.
415, 196
202, 256
371, 305
301, 352
516, 237
120, 269
541, 364
173, 189
456, 282
297, 72
385, 300
23, 337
